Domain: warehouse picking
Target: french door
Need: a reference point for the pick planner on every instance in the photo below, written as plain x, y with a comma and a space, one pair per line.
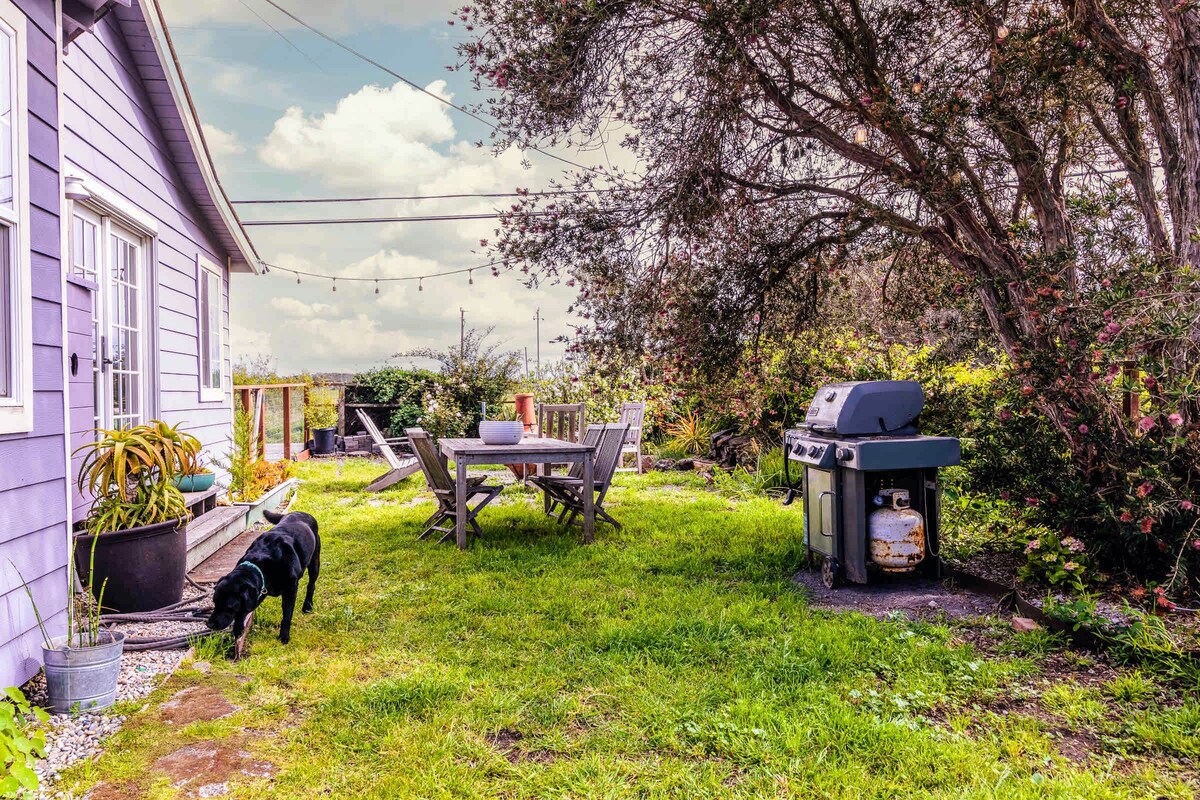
113, 257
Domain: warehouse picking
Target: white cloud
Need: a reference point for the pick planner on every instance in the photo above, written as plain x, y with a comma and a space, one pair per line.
222, 143
337, 16
291, 307
374, 138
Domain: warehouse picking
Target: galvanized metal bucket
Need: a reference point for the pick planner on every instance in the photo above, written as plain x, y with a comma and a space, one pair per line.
83, 678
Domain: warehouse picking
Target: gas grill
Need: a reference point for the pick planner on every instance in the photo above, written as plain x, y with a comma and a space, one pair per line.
871, 496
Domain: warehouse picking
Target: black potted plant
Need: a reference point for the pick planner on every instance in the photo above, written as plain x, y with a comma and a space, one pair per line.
321, 415
138, 519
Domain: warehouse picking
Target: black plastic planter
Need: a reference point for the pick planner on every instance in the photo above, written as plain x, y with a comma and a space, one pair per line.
145, 567
324, 441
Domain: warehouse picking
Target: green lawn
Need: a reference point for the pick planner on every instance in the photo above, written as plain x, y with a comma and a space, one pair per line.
673, 659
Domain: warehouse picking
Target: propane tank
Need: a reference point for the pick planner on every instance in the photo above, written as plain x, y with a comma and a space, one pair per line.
896, 532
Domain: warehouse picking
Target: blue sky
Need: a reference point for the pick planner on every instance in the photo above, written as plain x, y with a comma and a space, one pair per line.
311, 120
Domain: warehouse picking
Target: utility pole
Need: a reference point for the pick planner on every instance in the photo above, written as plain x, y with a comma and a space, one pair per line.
526, 362
537, 317
462, 332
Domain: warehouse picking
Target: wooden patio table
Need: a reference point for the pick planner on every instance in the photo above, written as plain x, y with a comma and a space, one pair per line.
530, 450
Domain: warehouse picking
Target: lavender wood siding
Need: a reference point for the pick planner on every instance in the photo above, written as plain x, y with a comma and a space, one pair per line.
33, 474
112, 132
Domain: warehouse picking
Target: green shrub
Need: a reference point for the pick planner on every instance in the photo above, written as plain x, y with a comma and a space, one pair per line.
22, 743
1058, 561
470, 376
321, 407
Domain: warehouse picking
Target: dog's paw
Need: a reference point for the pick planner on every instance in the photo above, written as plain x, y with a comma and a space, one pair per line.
307, 609
285, 638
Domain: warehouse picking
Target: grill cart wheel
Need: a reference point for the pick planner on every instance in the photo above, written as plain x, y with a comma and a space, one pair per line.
831, 573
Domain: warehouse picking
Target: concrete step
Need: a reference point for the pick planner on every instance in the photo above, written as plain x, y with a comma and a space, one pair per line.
209, 533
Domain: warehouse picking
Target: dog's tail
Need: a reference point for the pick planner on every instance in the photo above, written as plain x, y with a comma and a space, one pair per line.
273, 517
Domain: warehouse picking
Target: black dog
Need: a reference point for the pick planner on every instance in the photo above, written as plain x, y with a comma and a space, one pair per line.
273, 565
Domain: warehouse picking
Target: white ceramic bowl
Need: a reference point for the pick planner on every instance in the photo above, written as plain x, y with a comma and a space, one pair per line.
495, 431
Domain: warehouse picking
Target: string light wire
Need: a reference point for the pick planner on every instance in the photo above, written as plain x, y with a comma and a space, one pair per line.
419, 278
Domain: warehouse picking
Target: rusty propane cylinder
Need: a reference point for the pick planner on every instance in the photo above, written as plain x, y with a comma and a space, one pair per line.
896, 533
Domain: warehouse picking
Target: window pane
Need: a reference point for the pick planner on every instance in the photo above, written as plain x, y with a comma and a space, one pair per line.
6, 121
210, 330
214, 329
202, 338
7, 313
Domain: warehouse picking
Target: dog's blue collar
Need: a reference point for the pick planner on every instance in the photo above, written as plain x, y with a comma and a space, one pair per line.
263, 577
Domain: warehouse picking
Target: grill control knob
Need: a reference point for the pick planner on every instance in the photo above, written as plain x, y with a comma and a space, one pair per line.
845, 454
814, 451
829, 398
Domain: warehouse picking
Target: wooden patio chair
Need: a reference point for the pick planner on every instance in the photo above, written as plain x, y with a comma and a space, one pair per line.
568, 491
438, 478
565, 421
633, 415
400, 467
591, 438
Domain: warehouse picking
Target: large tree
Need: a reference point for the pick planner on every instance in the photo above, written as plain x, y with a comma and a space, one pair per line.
1046, 154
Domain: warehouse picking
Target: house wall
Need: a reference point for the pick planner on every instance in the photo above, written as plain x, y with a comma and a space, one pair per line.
111, 133
33, 508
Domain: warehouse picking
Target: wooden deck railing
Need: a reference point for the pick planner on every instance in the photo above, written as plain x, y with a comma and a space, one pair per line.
248, 392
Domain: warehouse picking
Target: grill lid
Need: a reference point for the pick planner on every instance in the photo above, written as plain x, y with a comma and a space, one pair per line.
866, 408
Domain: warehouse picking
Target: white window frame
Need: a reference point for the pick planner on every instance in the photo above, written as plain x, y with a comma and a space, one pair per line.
107, 208
16, 407
206, 271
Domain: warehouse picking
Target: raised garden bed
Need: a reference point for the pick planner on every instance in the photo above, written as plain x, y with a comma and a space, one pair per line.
272, 500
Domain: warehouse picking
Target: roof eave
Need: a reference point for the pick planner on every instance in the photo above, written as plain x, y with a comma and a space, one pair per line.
246, 258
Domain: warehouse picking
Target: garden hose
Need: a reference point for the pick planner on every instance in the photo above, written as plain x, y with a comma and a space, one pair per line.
176, 612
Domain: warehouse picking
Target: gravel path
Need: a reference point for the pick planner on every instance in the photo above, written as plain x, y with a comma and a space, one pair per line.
74, 737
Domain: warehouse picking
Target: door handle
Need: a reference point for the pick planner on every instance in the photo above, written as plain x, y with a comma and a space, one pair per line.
829, 516
105, 361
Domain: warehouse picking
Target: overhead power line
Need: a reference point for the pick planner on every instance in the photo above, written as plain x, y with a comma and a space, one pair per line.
461, 109
378, 220
461, 195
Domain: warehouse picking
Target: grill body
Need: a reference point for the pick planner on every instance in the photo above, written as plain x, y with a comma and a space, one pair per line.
859, 440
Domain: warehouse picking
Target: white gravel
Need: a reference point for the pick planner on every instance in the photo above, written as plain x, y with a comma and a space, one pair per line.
71, 738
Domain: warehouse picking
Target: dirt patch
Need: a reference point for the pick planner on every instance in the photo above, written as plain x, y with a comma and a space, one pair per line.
196, 704
113, 791
913, 596
506, 742
204, 769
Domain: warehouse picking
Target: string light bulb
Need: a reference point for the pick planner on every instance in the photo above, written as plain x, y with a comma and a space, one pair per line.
918, 83
335, 284
297, 278
860, 135
377, 286
471, 277
420, 284
1002, 32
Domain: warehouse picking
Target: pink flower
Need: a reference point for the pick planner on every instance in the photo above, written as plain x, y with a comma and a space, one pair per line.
1083, 429
1126, 516
1145, 489
1032, 501
1070, 566
1186, 505
1033, 545
1072, 544
1145, 424
1175, 419
1005, 415
1147, 525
